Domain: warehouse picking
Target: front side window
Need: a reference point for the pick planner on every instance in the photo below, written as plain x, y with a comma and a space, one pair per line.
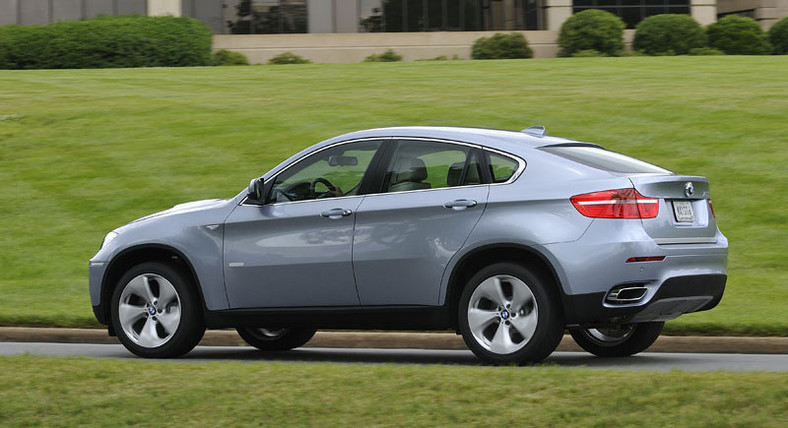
421, 165
337, 171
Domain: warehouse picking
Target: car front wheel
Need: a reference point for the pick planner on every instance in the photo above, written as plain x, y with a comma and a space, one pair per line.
510, 314
156, 312
617, 341
280, 339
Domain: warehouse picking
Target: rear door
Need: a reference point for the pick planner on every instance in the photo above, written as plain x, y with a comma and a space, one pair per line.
685, 215
430, 200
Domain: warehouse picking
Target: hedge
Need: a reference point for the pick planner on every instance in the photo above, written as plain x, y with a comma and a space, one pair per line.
778, 35
669, 34
738, 35
501, 46
592, 29
107, 42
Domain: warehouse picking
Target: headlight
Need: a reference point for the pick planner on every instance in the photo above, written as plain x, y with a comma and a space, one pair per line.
107, 239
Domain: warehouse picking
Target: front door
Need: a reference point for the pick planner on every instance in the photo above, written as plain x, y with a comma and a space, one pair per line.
295, 250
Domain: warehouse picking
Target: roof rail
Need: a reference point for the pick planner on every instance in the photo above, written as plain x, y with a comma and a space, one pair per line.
536, 131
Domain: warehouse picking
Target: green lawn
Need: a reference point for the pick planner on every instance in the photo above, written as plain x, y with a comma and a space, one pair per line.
39, 391
84, 151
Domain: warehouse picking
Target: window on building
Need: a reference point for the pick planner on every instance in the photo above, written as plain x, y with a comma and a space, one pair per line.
449, 15
634, 11
265, 16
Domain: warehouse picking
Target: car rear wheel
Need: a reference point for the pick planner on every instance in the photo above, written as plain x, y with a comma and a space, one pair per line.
281, 339
617, 341
156, 312
510, 314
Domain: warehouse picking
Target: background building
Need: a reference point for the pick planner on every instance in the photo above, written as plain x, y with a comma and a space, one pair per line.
348, 30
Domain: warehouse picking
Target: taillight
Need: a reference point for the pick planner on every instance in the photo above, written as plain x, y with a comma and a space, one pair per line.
619, 203
712, 208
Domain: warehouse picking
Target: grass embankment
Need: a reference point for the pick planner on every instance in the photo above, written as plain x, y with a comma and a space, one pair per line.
110, 393
86, 151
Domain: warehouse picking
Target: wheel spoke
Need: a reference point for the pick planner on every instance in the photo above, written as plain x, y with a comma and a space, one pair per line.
502, 343
170, 319
129, 314
492, 289
148, 292
149, 337
479, 319
138, 287
525, 324
167, 294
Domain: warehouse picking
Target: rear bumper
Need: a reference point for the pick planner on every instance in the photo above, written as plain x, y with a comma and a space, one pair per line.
674, 297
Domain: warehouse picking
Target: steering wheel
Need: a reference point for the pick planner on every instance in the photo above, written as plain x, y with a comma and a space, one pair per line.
327, 183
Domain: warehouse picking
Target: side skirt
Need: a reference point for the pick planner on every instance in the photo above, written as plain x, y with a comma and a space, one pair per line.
362, 318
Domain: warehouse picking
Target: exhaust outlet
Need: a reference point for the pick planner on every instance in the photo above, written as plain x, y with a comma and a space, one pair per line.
626, 294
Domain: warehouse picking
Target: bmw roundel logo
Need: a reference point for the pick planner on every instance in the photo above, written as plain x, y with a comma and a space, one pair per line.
505, 314
152, 311
689, 189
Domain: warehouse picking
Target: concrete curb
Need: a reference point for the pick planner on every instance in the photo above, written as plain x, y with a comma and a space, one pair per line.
333, 339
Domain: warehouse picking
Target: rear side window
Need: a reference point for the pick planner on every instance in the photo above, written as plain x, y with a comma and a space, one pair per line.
502, 168
600, 158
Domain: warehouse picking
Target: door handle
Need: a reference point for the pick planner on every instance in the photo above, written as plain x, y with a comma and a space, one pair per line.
460, 204
336, 213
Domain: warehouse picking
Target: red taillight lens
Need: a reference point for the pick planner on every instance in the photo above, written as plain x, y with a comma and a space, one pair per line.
712, 208
619, 203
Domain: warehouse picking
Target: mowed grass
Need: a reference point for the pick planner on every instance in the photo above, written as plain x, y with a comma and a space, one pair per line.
84, 151
39, 391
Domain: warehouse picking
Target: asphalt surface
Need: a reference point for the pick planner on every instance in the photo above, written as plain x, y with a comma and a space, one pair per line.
390, 340
649, 361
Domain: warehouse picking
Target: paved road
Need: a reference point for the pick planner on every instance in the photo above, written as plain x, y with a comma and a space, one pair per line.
644, 361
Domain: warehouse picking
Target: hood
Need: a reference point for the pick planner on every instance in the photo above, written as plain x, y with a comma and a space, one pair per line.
185, 208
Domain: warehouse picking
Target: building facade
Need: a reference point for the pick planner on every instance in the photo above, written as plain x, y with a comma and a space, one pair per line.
349, 30
361, 16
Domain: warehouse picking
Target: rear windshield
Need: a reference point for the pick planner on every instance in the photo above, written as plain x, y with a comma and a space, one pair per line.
600, 158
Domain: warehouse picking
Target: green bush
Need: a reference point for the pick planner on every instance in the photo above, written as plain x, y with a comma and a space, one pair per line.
501, 46
706, 51
778, 36
288, 58
738, 35
107, 42
669, 34
388, 56
592, 29
225, 57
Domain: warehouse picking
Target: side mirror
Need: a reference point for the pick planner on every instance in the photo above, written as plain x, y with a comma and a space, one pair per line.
255, 190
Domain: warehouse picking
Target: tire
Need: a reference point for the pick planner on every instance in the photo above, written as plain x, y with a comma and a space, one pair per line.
623, 341
283, 339
156, 311
510, 314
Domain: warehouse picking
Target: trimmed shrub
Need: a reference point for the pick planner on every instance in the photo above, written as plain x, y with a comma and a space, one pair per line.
738, 35
778, 36
288, 58
388, 56
107, 42
592, 29
706, 51
501, 46
669, 35
225, 57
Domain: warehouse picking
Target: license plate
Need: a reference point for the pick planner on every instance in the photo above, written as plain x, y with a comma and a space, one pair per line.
683, 211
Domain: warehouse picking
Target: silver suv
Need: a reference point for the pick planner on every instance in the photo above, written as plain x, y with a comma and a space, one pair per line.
507, 238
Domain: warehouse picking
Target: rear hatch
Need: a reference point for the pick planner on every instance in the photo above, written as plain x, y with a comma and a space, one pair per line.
685, 215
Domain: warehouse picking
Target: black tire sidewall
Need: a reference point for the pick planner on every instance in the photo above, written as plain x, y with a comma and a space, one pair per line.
550, 324
191, 327
294, 338
643, 336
